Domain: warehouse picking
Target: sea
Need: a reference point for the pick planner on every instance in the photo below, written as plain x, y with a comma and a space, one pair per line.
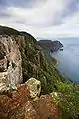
69, 58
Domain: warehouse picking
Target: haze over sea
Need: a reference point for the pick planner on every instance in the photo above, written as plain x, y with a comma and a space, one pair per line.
69, 58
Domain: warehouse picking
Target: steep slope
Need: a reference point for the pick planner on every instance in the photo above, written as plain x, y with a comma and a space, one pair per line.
35, 63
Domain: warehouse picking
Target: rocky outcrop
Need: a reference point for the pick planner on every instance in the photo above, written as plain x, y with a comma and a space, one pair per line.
34, 87
19, 105
13, 106
10, 64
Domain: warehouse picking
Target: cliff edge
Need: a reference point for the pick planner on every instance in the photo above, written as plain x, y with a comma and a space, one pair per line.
30, 86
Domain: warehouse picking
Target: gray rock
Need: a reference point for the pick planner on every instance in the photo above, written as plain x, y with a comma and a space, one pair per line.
10, 64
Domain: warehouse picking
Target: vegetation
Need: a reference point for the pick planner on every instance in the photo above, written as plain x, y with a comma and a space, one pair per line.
49, 45
67, 90
8, 31
37, 63
41, 66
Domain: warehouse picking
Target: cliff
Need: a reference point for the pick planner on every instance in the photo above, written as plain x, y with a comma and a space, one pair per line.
10, 64
22, 58
49, 45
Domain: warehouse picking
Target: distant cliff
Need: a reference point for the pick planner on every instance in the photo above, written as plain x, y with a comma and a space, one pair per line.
51, 46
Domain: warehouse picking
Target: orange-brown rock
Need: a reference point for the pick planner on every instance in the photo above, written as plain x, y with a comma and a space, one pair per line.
18, 105
46, 108
13, 106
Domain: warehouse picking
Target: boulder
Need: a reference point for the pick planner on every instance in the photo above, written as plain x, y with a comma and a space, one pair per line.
34, 87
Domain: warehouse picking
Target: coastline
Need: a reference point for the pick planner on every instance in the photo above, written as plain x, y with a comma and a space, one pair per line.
57, 62
67, 78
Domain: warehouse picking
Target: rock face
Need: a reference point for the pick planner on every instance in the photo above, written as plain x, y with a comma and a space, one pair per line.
12, 106
19, 105
10, 64
34, 87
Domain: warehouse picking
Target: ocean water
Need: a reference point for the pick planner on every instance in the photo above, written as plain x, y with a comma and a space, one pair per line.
69, 58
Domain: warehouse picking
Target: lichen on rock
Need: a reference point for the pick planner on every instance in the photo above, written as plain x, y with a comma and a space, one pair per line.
34, 87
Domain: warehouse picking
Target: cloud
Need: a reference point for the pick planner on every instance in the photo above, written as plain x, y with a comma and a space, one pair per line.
41, 18
41, 15
16, 3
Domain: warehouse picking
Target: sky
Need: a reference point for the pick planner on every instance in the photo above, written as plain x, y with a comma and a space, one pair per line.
42, 18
